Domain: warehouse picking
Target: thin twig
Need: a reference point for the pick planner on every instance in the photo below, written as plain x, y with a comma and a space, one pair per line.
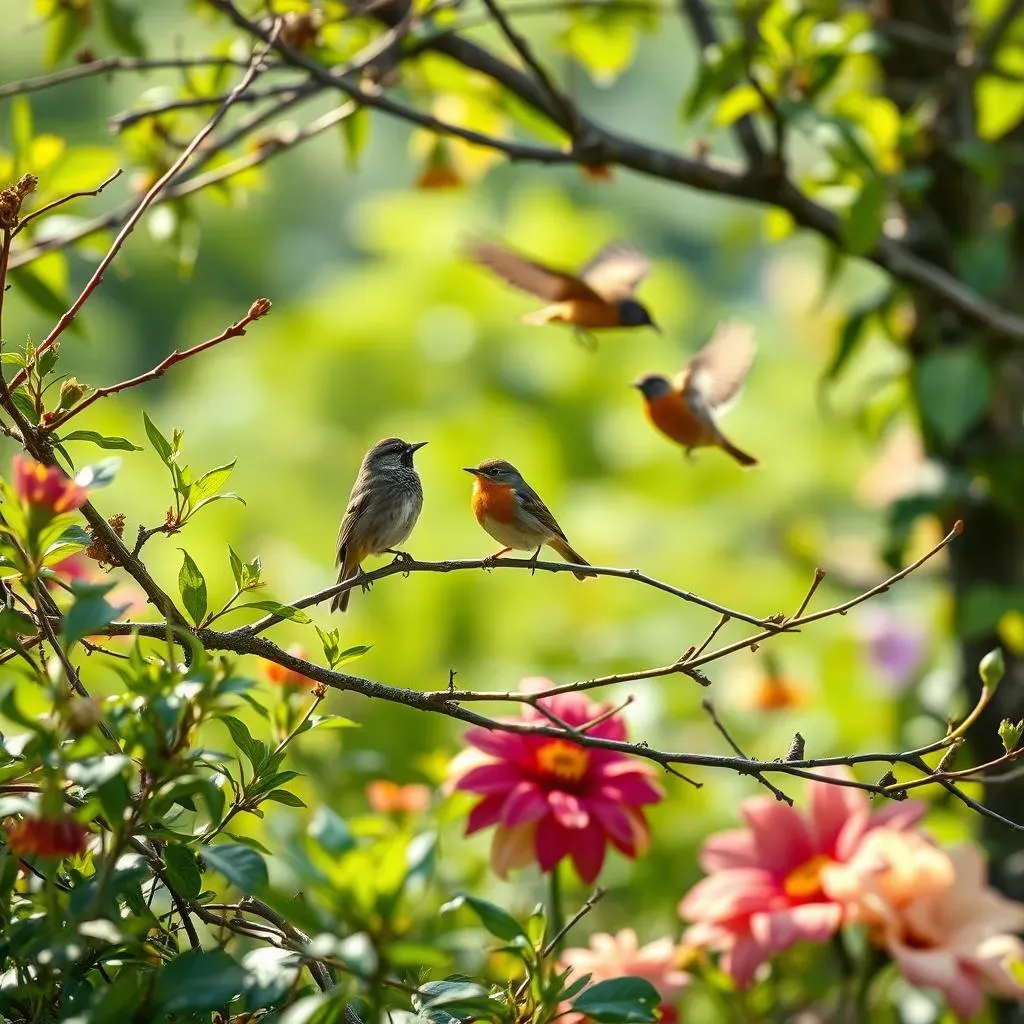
25, 221
727, 736
819, 575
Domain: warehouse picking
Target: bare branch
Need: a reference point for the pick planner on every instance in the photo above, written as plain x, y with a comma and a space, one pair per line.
25, 221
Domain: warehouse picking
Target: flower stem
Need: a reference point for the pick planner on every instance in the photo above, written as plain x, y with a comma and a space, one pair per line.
556, 916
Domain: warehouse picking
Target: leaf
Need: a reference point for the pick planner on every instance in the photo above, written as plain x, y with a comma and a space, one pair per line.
210, 483
160, 443
350, 654
64, 29
330, 833
1000, 106
619, 1001
863, 221
240, 865
285, 611
192, 587
14, 624
498, 922
119, 24
95, 772
198, 980
236, 567
270, 973
253, 749
737, 102
355, 130
183, 870
21, 132
90, 611
954, 387
39, 292
283, 796
115, 443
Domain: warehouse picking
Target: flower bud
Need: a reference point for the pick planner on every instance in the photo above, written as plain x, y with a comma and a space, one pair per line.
992, 668
260, 308
1010, 733
70, 392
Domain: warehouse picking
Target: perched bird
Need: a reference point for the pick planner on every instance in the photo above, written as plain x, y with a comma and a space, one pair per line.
383, 507
511, 511
601, 295
684, 409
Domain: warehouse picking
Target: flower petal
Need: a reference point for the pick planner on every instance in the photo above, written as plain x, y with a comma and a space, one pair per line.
505, 745
938, 968
587, 848
496, 777
551, 843
810, 922
733, 848
526, 803
835, 810
484, 814
780, 835
728, 894
511, 848
567, 809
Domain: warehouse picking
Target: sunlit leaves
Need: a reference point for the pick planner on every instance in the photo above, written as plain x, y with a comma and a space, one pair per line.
953, 386
619, 1001
863, 221
738, 101
192, 587
90, 611
198, 980
240, 865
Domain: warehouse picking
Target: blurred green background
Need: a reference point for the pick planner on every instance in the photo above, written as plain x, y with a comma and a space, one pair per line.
379, 327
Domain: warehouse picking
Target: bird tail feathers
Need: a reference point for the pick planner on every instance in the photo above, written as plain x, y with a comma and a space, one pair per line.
571, 556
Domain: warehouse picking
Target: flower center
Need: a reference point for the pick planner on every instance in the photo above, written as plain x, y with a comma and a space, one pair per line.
566, 761
805, 881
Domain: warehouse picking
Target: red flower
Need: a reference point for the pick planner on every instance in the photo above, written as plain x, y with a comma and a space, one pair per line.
551, 798
283, 676
45, 489
47, 837
387, 797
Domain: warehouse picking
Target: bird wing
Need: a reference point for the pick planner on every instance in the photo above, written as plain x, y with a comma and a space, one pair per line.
716, 373
356, 503
616, 271
529, 276
530, 503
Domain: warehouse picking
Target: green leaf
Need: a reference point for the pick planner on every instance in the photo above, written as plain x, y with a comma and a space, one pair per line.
116, 443
198, 980
210, 483
954, 387
863, 221
95, 772
90, 611
283, 796
14, 624
738, 101
119, 23
498, 922
64, 28
330, 833
240, 865
619, 1001
285, 611
192, 587
236, 567
984, 605
21, 133
39, 292
1000, 106
183, 870
355, 130
160, 443
253, 749
270, 973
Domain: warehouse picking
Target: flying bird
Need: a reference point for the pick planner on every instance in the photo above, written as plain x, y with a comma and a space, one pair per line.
686, 409
602, 295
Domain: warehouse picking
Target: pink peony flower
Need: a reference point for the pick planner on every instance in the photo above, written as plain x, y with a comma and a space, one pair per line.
764, 891
620, 956
935, 914
550, 798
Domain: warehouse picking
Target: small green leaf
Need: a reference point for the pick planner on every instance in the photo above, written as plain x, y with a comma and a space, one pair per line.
198, 980
115, 443
740, 100
863, 222
39, 292
330, 833
90, 611
284, 611
355, 130
192, 586
253, 749
183, 870
210, 483
160, 443
236, 567
619, 1001
498, 922
64, 28
283, 796
21, 132
270, 974
953, 386
119, 23
240, 865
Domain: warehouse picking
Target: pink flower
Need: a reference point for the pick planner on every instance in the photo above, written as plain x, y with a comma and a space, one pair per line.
896, 647
551, 798
935, 914
45, 490
621, 956
764, 891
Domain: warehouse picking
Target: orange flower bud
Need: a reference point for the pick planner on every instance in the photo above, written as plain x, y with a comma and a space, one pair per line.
47, 837
387, 797
45, 489
282, 676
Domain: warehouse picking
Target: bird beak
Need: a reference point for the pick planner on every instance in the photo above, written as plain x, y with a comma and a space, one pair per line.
638, 384
470, 469
416, 446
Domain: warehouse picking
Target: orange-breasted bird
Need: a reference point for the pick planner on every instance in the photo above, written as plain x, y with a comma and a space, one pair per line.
684, 409
511, 511
383, 507
602, 295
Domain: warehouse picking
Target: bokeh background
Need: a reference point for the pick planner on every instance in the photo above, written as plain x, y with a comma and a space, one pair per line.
380, 327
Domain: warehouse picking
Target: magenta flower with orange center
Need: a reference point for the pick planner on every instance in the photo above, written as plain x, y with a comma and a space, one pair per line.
47, 837
45, 490
550, 798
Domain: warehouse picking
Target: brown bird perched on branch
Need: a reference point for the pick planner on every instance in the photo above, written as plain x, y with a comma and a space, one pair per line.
600, 296
511, 511
383, 507
684, 409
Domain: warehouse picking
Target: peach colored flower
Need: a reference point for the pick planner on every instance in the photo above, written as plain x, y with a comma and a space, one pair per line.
283, 676
776, 692
387, 797
46, 490
764, 891
47, 837
551, 798
620, 956
935, 914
